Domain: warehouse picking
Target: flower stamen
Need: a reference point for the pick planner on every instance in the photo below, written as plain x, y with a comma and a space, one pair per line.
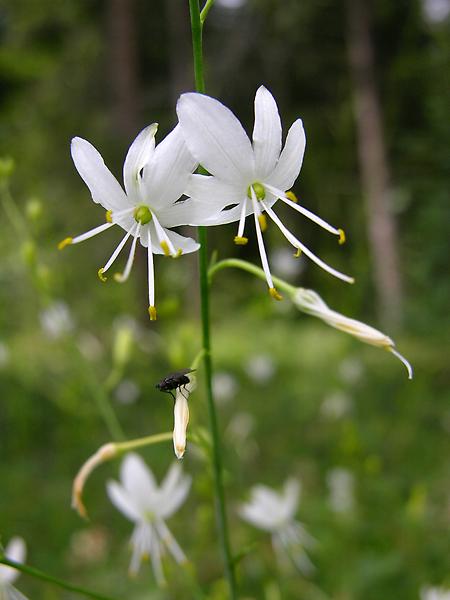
65, 242
115, 254
240, 240
290, 194
151, 279
122, 277
304, 211
262, 250
298, 244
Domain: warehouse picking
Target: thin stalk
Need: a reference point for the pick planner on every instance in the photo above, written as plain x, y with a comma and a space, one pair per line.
45, 577
250, 268
221, 515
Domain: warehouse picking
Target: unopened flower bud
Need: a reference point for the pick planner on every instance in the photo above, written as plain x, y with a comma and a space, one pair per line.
311, 303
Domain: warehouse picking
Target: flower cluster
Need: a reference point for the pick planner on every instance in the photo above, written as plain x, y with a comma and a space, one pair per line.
161, 190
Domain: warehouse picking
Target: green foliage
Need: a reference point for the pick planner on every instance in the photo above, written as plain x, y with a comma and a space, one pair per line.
388, 432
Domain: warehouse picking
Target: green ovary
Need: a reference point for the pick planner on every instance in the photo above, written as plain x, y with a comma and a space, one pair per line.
142, 214
259, 190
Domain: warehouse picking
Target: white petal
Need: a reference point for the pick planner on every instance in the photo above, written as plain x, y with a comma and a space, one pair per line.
138, 481
171, 502
166, 176
213, 191
8, 592
291, 496
180, 242
171, 542
291, 158
216, 138
257, 516
16, 551
266, 132
139, 154
187, 212
102, 184
123, 502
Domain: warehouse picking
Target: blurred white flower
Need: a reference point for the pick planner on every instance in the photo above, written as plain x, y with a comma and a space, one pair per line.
88, 546
16, 551
225, 386
274, 512
231, 4
341, 484
127, 392
56, 320
252, 175
140, 499
434, 593
89, 345
336, 405
436, 11
154, 180
351, 370
4, 355
260, 368
283, 265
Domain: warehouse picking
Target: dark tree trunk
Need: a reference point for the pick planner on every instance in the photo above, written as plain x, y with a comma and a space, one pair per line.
123, 64
375, 176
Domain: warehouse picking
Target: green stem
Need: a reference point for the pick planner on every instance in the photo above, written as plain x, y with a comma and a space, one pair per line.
221, 515
205, 10
45, 577
122, 447
250, 268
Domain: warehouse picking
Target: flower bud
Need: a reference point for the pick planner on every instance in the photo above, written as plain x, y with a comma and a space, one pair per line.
311, 303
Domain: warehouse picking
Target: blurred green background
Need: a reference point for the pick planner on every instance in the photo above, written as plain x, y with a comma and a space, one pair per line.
295, 397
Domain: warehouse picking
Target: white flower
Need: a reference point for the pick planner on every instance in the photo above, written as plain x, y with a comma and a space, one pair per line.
251, 176
154, 179
16, 551
140, 499
434, 593
274, 512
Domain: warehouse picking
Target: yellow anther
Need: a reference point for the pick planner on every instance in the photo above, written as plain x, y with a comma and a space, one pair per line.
275, 294
108, 216
290, 194
66, 242
262, 222
165, 247
178, 253
152, 313
341, 236
240, 241
118, 277
298, 253
100, 275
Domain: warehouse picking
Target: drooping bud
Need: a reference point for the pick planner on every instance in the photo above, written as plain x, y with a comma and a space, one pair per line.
311, 303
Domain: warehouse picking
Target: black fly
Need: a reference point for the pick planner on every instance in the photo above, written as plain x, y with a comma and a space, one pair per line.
173, 381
